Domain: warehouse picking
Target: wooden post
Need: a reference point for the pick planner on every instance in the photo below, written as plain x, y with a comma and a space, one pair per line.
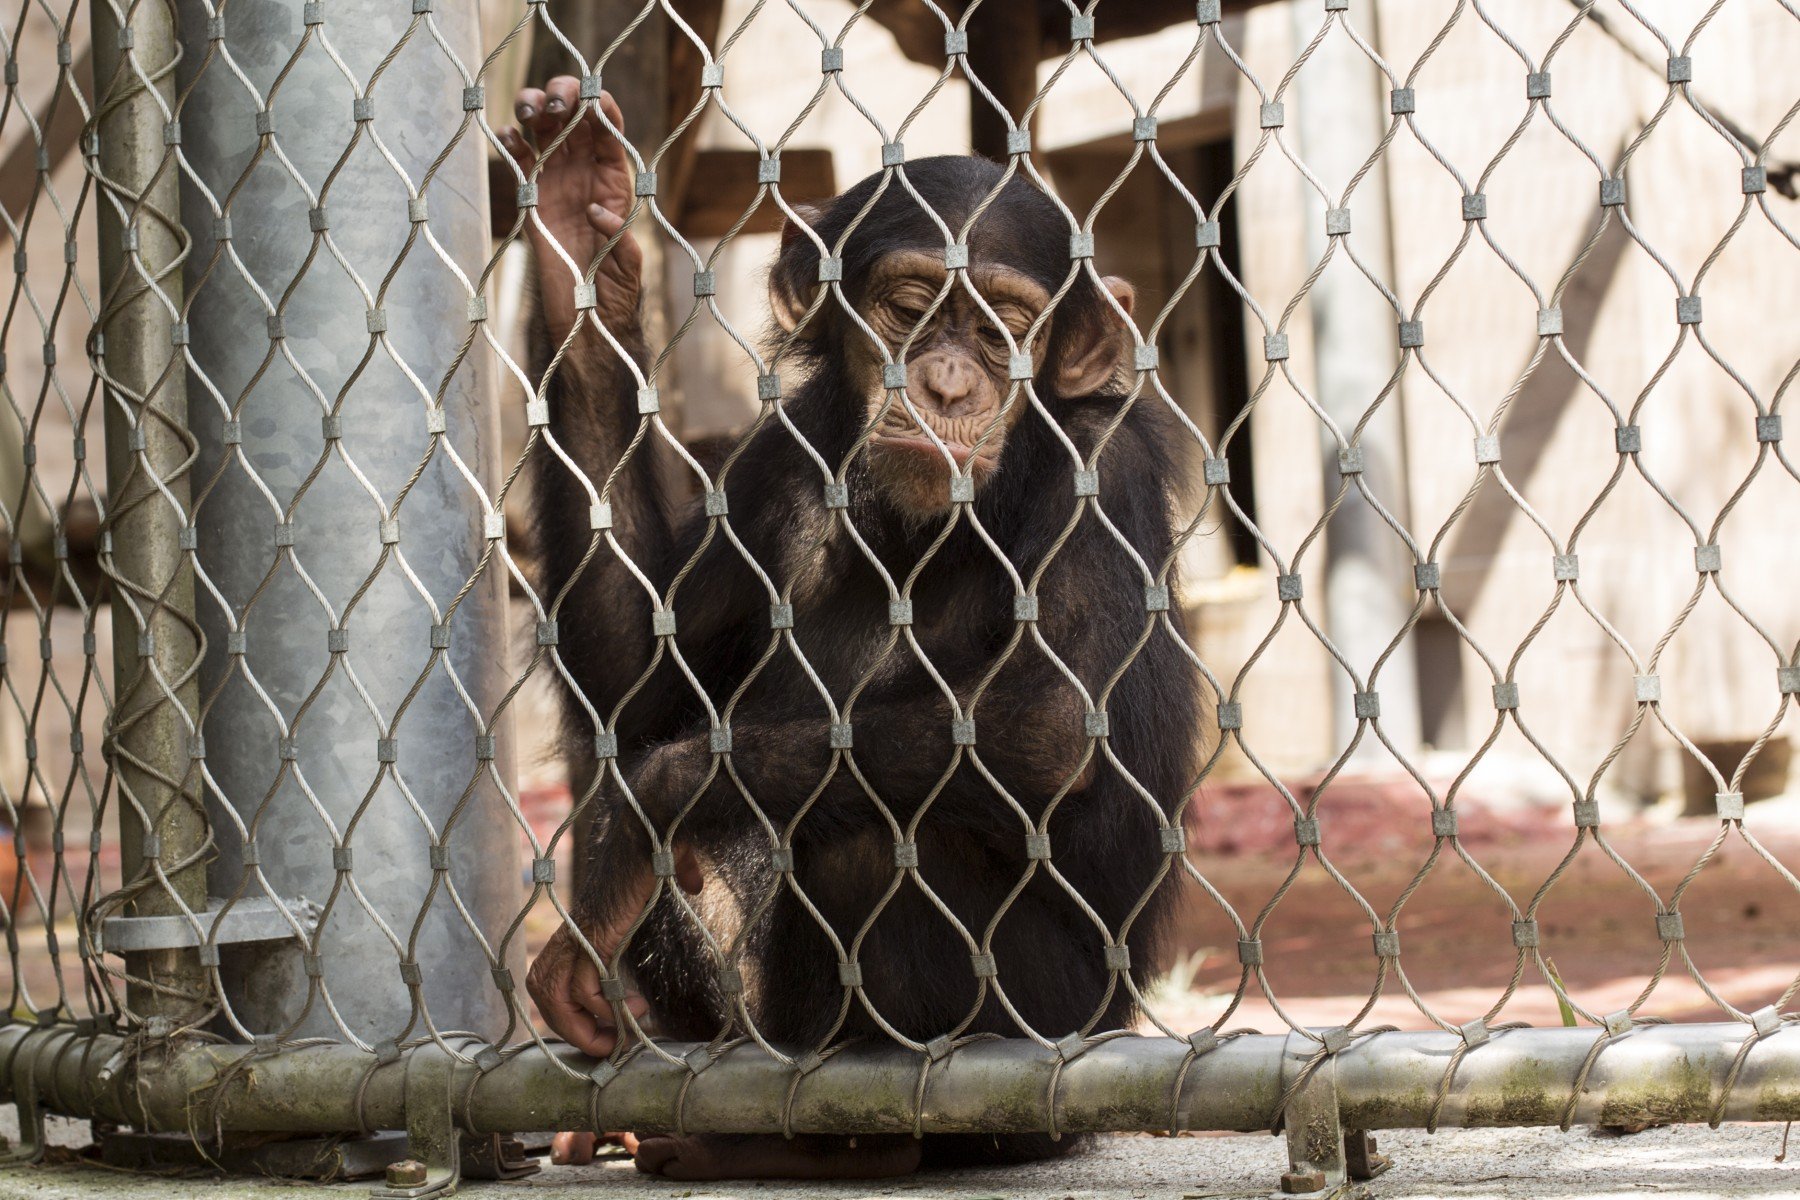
637, 75
1006, 41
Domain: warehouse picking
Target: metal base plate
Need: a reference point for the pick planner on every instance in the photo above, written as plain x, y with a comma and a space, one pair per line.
321, 1158
325, 1159
1344, 1191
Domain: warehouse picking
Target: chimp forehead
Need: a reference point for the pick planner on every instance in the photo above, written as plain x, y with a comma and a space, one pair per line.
1021, 228
1005, 288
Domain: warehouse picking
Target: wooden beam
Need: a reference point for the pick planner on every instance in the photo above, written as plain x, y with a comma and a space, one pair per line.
1006, 42
637, 74
920, 34
727, 185
657, 60
61, 131
685, 65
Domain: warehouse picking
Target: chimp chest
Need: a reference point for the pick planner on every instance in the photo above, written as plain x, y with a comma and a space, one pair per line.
944, 623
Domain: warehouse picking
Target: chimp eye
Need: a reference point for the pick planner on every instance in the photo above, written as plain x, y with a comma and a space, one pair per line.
906, 308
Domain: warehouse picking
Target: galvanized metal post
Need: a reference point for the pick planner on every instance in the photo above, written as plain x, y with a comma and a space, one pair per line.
1367, 600
162, 825
357, 371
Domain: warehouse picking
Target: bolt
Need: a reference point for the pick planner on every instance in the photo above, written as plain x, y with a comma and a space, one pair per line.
1299, 1183
407, 1173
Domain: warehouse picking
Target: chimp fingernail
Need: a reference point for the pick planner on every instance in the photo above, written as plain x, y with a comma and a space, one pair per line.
526, 112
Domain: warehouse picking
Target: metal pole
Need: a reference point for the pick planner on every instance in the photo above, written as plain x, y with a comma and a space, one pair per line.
1524, 1077
1368, 570
357, 372
162, 825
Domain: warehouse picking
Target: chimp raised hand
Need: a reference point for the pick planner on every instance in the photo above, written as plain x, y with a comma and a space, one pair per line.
964, 819
584, 193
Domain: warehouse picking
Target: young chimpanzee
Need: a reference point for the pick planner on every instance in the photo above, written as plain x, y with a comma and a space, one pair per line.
1034, 586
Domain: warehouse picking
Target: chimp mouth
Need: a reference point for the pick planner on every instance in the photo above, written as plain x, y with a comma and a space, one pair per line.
923, 446
959, 439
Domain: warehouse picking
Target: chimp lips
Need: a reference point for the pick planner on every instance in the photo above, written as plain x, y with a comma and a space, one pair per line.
918, 444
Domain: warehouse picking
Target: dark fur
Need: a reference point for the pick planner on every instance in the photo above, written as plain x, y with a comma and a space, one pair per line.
916, 967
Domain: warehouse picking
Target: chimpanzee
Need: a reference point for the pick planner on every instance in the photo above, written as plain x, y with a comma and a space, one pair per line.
1001, 583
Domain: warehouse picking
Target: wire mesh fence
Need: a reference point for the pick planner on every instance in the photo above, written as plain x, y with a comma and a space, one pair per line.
477, 575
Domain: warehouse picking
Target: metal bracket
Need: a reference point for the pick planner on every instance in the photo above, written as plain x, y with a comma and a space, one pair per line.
433, 1139
258, 919
1318, 1167
1361, 1159
25, 1097
497, 1156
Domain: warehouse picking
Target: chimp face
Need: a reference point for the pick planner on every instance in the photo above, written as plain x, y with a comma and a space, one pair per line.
955, 331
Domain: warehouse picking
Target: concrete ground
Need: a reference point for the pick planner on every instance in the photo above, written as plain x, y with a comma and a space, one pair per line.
1672, 1164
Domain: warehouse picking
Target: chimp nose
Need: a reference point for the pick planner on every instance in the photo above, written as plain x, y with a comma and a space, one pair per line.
949, 383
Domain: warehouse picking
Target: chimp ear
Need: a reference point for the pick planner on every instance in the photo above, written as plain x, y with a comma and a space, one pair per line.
786, 300
1093, 352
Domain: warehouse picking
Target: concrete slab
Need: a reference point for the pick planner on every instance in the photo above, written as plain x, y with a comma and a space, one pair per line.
1672, 1164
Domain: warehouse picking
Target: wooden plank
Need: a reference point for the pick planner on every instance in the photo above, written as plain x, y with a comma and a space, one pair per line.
685, 65
61, 126
628, 75
1005, 44
637, 75
921, 35
725, 185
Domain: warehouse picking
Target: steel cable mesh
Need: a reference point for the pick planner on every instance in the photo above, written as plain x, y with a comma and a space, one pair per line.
1384, 930
362, 493
54, 705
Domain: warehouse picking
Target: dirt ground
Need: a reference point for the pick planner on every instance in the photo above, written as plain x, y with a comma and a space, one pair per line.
1680, 1163
1597, 922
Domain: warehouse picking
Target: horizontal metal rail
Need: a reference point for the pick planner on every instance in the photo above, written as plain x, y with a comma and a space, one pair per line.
1664, 1074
